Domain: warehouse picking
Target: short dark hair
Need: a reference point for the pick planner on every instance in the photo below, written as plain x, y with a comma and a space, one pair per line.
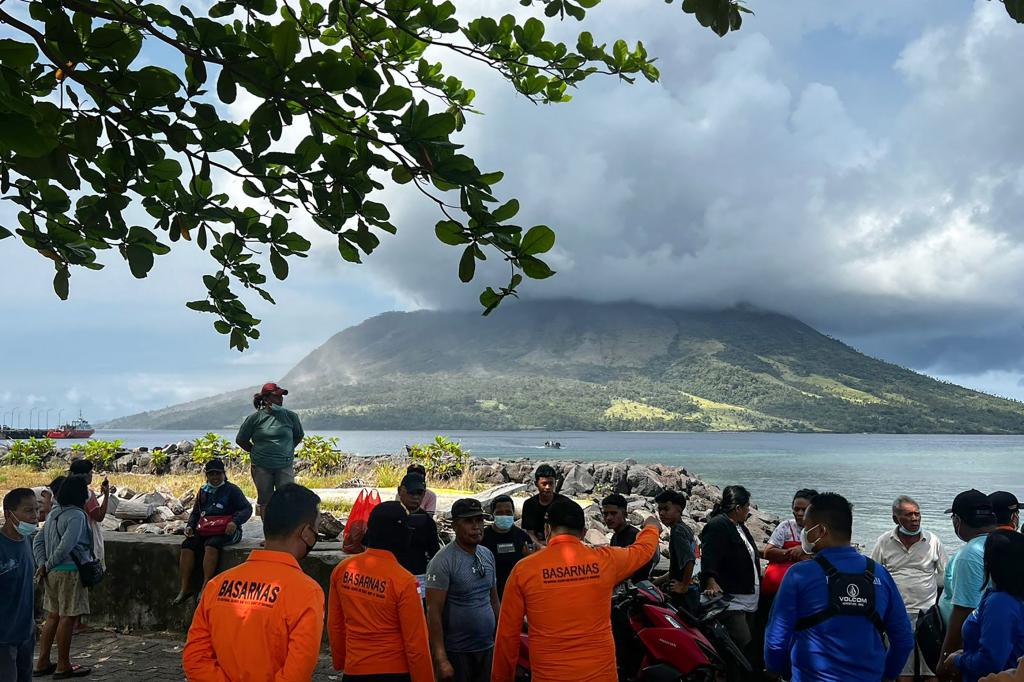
1004, 554
416, 468
290, 507
544, 471
55, 484
79, 467
805, 494
835, 511
615, 500
74, 492
13, 499
502, 498
671, 497
565, 513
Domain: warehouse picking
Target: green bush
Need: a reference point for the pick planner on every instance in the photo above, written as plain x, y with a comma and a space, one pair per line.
443, 459
210, 445
101, 452
160, 458
387, 475
321, 453
30, 452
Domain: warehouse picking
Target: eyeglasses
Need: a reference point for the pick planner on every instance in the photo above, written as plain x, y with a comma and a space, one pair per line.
479, 568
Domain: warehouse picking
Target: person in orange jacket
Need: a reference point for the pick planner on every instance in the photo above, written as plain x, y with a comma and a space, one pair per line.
375, 618
263, 620
565, 593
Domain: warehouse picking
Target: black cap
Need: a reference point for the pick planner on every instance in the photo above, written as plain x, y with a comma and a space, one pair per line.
1004, 504
565, 513
468, 508
386, 519
973, 506
414, 483
214, 465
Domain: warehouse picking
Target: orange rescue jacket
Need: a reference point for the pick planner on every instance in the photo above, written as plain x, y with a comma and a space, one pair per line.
260, 621
375, 618
565, 592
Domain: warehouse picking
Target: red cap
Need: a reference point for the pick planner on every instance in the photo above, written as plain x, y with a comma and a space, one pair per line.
272, 389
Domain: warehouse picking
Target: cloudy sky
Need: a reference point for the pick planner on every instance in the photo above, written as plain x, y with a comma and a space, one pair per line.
856, 165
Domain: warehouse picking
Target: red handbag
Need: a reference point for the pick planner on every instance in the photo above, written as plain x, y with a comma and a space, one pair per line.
210, 526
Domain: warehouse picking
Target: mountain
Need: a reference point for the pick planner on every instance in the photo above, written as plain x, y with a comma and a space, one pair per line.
567, 365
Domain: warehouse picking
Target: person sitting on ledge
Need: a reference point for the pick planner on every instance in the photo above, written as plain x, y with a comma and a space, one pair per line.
206, 533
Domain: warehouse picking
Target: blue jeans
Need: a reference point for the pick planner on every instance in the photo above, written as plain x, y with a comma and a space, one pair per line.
16, 660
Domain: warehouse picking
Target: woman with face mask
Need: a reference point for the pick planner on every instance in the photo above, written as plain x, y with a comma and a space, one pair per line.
507, 542
731, 569
216, 522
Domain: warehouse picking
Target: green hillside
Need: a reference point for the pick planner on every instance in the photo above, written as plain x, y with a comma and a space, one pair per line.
568, 365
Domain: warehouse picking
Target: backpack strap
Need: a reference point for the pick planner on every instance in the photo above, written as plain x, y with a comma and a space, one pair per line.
808, 622
875, 617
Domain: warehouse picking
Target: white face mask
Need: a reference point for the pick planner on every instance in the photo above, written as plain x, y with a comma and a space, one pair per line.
910, 533
805, 544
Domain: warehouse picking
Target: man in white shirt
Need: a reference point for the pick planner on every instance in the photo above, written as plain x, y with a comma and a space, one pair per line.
916, 560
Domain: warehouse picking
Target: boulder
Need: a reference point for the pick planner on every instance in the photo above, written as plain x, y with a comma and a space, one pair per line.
643, 481
161, 514
170, 449
124, 463
578, 481
330, 526
111, 523
595, 537
149, 529
157, 499
188, 499
491, 474
176, 527
184, 447
132, 510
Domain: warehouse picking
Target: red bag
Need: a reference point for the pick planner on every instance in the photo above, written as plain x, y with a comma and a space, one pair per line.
210, 526
775, 572
355, 528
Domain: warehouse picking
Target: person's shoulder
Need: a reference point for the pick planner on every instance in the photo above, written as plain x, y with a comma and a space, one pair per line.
487, 553
532, 501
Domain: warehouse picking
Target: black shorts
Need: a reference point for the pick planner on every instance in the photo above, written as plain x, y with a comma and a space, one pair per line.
198, 544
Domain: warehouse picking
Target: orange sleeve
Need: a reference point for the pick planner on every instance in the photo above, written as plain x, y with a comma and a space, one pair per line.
336, 624
198, 659
413, 624
304, 640
626, 561
510, 625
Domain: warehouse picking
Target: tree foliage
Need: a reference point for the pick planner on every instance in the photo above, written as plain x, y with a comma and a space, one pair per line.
124, 125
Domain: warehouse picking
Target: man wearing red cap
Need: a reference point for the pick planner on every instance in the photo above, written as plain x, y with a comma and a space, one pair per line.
270, 435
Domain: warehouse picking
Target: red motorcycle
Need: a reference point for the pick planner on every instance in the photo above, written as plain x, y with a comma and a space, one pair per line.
655, 642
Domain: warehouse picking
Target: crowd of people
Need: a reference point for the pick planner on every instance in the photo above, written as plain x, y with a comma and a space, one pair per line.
407, 609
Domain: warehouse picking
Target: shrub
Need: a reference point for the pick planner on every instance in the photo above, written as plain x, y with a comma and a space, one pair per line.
101, 452
30, 452
387, 475
321, 453
443, 459
210, 445
159, 458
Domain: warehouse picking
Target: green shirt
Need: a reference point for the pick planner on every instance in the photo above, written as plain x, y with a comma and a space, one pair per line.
274, 435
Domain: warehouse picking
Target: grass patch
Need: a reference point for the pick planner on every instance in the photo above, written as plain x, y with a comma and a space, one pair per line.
631, 410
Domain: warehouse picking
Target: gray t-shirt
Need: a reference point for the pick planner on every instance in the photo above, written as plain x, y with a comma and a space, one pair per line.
468, 617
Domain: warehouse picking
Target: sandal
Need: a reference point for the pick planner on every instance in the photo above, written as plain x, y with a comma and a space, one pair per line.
48, 670
76, 671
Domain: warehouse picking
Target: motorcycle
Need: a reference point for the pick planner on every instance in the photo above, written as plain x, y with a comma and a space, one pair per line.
655, 642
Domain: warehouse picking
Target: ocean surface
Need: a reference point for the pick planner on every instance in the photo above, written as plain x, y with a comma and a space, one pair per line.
870, 470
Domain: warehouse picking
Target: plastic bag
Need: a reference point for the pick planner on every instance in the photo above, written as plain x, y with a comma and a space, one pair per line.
355, 529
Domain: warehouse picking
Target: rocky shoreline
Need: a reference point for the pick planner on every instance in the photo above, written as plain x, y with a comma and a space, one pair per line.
159, 512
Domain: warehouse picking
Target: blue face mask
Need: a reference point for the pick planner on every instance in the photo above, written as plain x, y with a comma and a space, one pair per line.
504, 523
26, 529
904, 531
209, 488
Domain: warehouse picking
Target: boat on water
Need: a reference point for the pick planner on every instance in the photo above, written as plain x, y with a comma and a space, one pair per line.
79, 428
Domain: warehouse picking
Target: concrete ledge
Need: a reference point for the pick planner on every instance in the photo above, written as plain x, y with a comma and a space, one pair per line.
142, 579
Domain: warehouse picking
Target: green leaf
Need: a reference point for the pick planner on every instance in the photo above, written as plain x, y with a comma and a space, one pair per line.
535, 268
165, 169
450, 232
531, 34
467, 264
140, 260
226, 89
25, 136
5, 233
506, 211
156, 83
60, 284
539, 239
1015, 8
113, 41
15, 54
279, 265
393, 98
286, 43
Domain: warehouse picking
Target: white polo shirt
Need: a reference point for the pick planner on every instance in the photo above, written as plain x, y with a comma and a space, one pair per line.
918, 571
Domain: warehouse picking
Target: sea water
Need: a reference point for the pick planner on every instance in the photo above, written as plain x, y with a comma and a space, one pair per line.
870, 470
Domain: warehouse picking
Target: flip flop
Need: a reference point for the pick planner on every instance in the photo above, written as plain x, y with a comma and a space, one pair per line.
48, 670
76, 671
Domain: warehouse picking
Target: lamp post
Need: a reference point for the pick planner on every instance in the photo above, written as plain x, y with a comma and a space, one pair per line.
30, 415
59, 413
48, 411
15, 410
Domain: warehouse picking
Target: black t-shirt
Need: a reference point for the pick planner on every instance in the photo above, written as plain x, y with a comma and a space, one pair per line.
507, 548
625, 538
422, 546
681, 544
533, 514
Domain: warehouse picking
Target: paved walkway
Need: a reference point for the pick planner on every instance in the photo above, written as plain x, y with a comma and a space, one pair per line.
115, 657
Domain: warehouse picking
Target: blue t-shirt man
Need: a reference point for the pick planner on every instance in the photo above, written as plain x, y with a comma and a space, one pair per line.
964, 578
17, 569
468, 617
843, 648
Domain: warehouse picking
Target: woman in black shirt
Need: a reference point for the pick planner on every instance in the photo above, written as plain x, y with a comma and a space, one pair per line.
507, 543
